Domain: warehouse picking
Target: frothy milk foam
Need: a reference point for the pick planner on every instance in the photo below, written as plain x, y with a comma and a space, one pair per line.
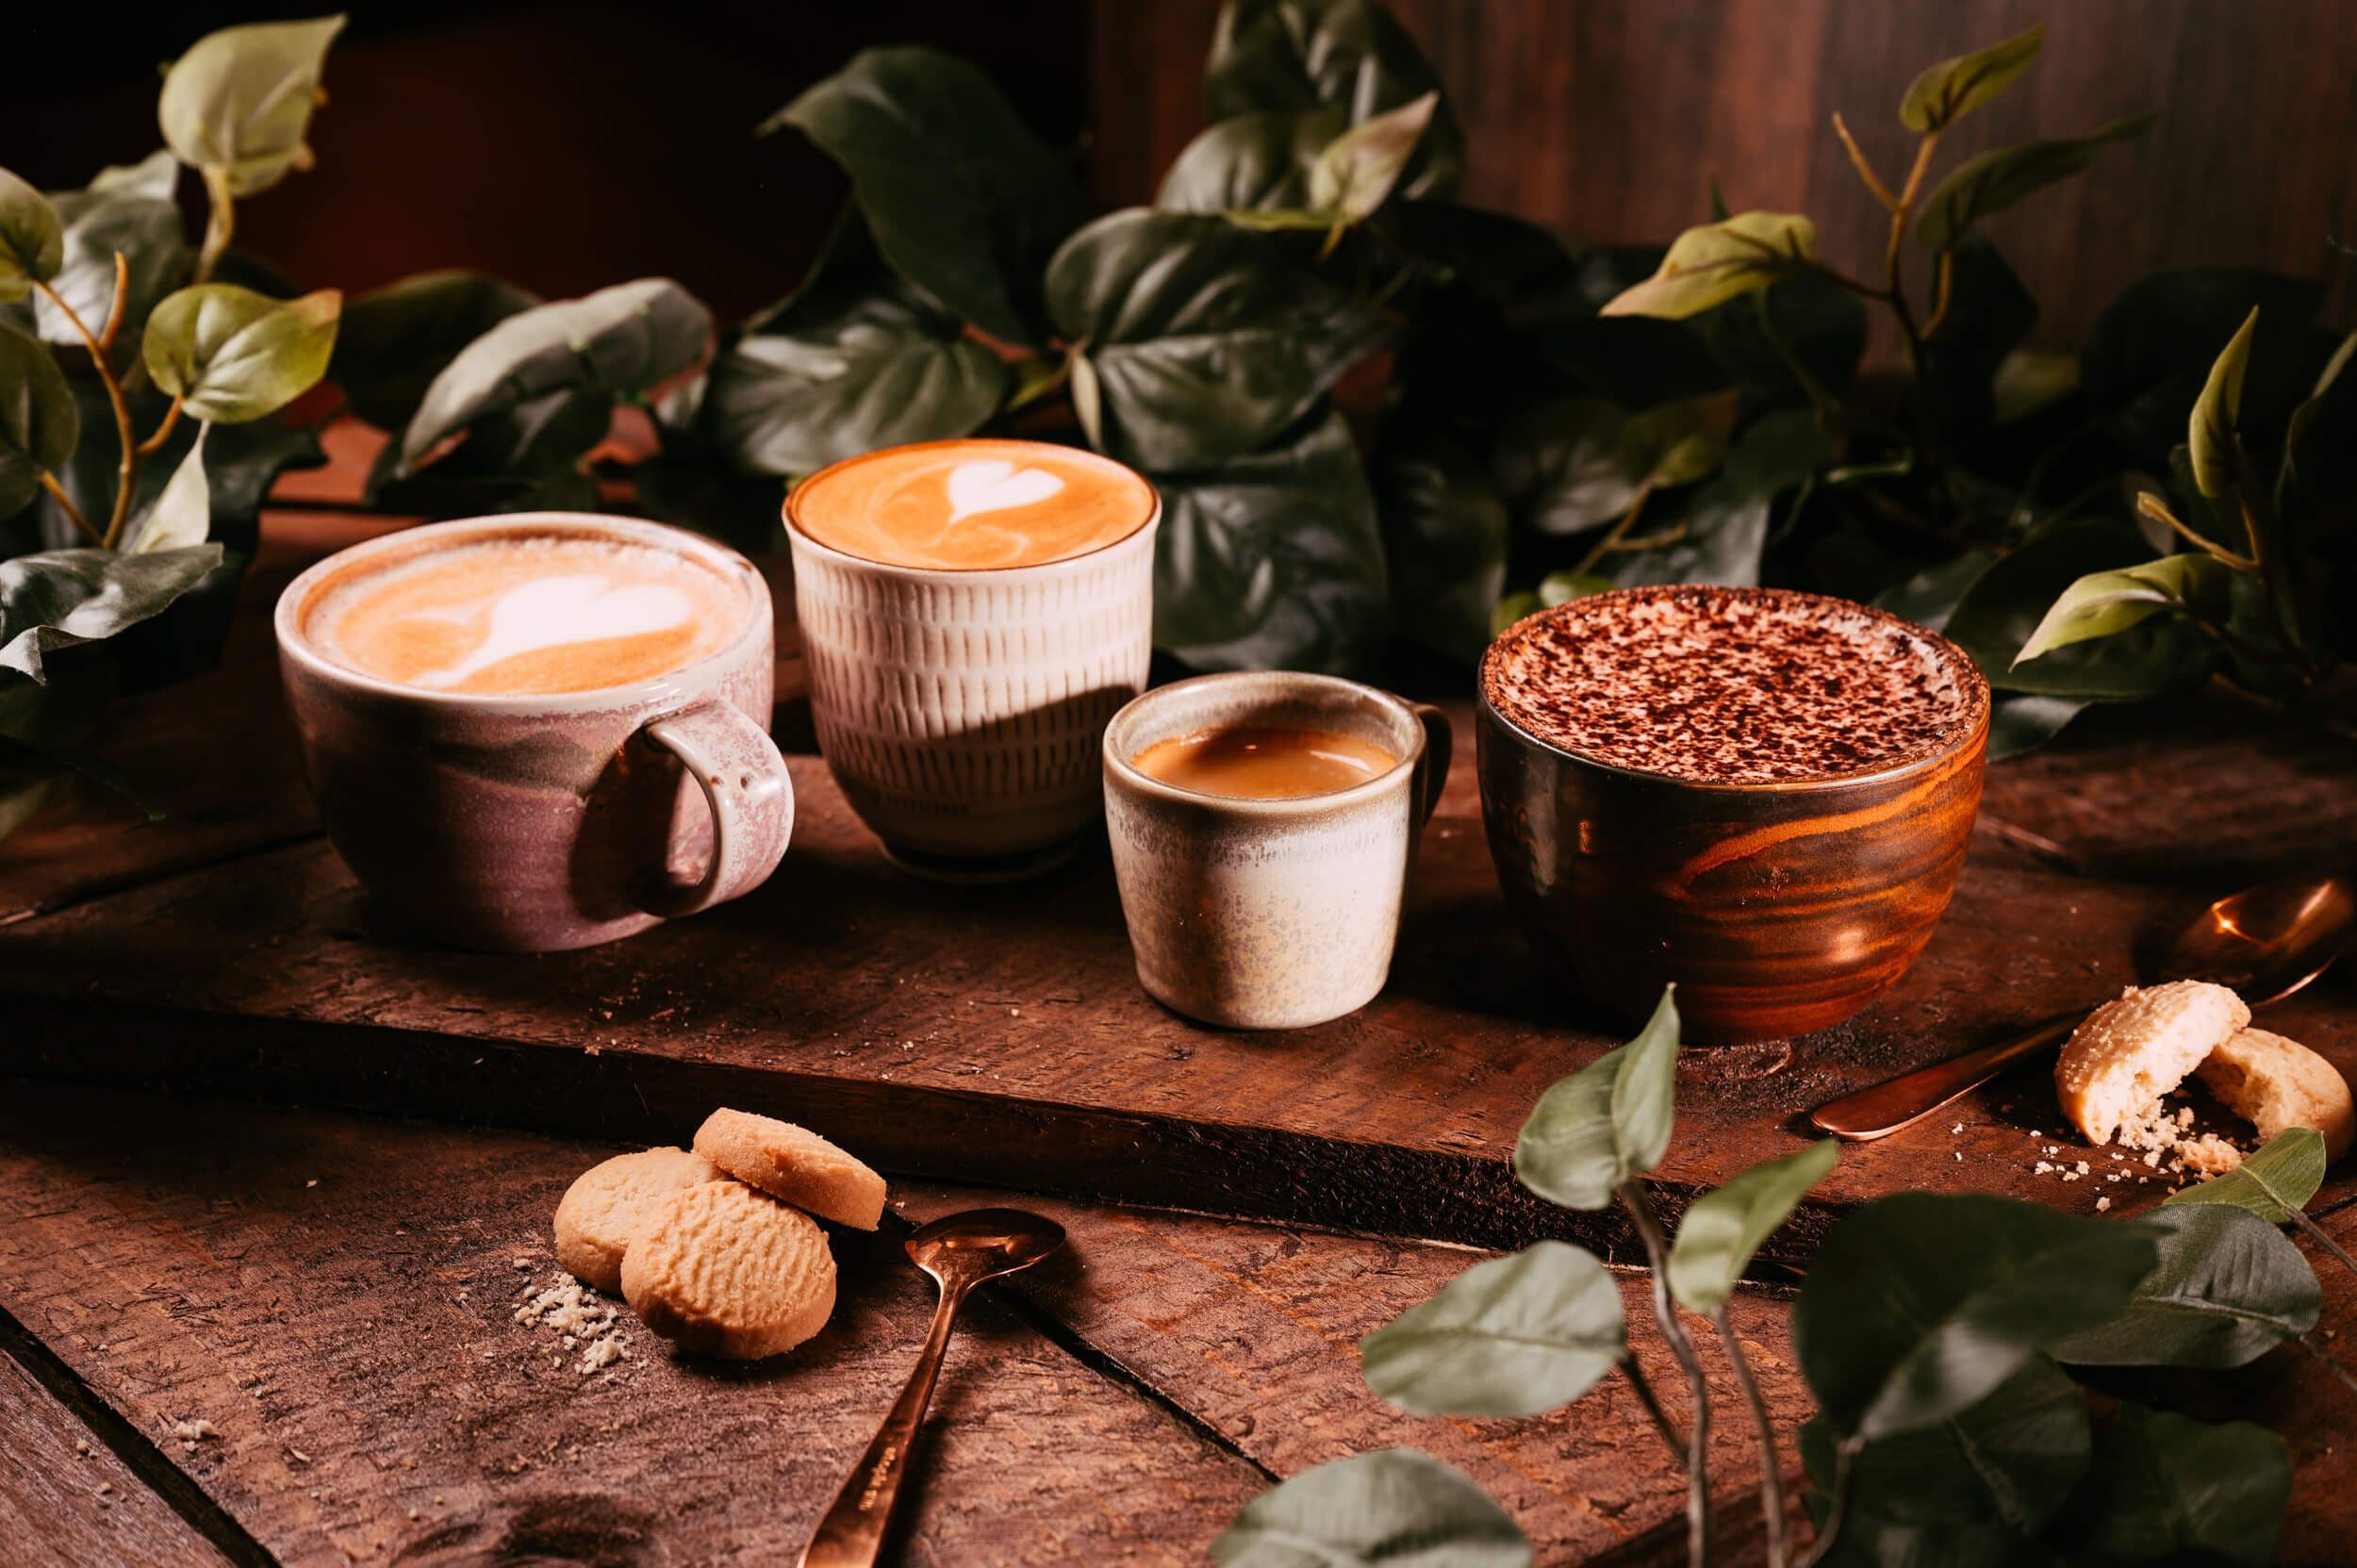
525, 614
972, 505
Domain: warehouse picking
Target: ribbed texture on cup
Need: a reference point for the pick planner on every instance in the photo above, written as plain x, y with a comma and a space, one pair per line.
962, 712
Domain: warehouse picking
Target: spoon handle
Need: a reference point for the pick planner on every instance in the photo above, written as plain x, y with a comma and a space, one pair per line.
1878, 1112
853, 1531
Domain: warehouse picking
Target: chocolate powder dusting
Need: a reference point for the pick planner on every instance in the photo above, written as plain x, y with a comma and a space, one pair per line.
1733, 686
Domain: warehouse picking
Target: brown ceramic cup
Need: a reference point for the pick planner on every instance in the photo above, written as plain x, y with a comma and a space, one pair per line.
1268, 914
537, 823
1777, 908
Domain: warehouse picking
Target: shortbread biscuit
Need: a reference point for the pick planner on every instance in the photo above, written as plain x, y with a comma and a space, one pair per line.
2129, 1052
609, 1201
794, 1164
2273, 1083
727, 1271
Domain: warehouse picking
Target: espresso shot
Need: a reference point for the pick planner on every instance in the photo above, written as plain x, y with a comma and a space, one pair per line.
1262, 762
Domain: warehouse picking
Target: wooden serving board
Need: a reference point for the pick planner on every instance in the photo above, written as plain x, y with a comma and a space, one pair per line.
999, 1035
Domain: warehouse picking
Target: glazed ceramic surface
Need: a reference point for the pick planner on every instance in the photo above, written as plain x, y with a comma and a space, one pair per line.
1776, 908
1268, 914
960, 711
534, 823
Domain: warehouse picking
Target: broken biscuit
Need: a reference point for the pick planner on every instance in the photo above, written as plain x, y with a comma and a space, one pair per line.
2129, 1052
2273, 1083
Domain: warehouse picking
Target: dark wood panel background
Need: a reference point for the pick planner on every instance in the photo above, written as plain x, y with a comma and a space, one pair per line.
1606, 120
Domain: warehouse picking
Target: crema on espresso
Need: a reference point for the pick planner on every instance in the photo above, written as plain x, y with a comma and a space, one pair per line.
973, 505
526, 614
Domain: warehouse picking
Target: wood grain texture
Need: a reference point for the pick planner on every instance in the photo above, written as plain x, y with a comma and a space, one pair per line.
1608, 118
1001, 1036
334, 1296
67, 1501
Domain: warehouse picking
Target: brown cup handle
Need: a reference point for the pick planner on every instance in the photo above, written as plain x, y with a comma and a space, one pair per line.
1440, 743
751, 796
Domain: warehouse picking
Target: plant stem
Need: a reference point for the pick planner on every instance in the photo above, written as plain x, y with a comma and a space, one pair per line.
1771, 1476
2150, 505
163, 431
1611, 541
1648, 1225
122, 414
2316, 1234
1865, 169
65, 505
1844, 1461
221, 222
121, 306
2320, 1353
1645, 1396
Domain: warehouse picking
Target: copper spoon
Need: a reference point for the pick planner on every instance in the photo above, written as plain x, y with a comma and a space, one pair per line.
960, 1251
2265, 942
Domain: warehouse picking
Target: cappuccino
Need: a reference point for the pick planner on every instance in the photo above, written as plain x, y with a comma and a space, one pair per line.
972, 505
1731, 686
524, 613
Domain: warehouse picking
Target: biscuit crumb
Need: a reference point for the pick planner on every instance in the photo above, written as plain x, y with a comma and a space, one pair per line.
190, 1433
579, 1321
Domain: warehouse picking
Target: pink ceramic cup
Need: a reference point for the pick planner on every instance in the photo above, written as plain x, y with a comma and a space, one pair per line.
535, 823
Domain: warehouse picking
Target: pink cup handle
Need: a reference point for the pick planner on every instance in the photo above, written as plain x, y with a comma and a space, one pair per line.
751, 796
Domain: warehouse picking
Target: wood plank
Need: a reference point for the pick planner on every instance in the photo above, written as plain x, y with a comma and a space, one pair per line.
1254, 1330
333, 1294
999, 1035
68, 1500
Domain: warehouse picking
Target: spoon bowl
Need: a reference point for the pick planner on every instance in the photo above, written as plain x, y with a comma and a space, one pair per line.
983, 1243
2264, 942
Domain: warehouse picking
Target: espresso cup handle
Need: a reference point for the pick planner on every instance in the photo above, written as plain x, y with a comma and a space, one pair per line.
1440, 742
751, 796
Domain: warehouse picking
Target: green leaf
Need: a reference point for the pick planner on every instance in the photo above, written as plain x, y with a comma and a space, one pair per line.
1272, 560
1712, 264
1250, 163
39, 425
855, 360
232, 354
1203, 341
2165, 1488
2021, 721
528, 458
181, 515
1560, 465
2104, 604
1556, 587
1919, 1305
2230, 1288
238, 103
621, 342
1974, 1489
2006, 604
1358, 168
58, 599
1607, 1123
2273, 1181
963, 202
2210, 434
32, 241
1804, 316
396, 340
2318, 478
2151, 349
1947, 92
1725, 1227
1293, 55
1445, 534
1394, 1508
126, 210
2002, 176
1724, 531
1513, 1336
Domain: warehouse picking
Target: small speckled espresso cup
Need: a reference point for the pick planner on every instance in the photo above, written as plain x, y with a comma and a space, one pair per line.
1268, 914
533, 823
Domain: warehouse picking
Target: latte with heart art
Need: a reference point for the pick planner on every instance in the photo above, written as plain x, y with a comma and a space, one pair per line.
974, 505
525, 614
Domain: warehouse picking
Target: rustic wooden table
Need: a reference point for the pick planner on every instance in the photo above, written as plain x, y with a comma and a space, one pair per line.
271, 1165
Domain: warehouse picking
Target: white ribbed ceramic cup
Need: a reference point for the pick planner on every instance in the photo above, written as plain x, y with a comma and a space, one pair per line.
961, 710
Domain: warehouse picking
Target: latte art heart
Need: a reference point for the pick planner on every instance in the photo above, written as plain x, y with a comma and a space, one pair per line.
558, 610
996, 486
533, 614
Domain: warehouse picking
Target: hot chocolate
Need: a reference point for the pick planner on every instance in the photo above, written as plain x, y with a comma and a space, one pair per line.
972, 505
527, 613
1731, 686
